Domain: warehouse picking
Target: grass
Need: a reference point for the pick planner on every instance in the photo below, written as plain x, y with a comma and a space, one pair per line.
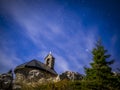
62, 85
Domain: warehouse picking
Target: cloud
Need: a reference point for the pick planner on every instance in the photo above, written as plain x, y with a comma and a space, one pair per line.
61, 64
8, 60
53, 32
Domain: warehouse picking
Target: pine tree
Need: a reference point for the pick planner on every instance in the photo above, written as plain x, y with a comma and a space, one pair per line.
99, 76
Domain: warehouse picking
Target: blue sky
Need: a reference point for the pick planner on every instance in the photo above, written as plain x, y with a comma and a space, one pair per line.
30, 29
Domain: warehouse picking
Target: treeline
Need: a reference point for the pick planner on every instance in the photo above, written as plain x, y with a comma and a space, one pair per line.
98, 77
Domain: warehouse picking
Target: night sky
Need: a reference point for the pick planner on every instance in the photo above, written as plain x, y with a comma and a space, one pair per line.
30, 29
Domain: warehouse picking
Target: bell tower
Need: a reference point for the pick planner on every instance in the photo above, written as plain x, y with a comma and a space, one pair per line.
50, 60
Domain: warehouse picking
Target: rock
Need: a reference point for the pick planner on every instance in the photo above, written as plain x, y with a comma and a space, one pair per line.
69, 75
74, 75
57, 79
6, 80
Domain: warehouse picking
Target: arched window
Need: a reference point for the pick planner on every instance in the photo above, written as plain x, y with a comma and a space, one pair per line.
48, 62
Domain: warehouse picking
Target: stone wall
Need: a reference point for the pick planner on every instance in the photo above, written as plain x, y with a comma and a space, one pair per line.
31, 75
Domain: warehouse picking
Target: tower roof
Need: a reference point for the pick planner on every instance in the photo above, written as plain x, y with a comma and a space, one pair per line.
49, 55
36, 64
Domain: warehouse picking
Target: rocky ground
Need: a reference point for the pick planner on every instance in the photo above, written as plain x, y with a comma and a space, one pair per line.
8, 83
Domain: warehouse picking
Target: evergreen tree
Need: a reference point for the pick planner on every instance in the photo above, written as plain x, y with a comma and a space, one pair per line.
99, 76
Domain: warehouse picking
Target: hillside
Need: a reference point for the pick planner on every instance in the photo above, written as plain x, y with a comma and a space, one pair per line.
62, 85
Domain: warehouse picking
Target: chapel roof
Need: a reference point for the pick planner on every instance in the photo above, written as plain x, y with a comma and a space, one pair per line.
36, 64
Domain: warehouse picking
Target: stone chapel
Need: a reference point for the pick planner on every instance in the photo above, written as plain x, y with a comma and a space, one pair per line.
35, 70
